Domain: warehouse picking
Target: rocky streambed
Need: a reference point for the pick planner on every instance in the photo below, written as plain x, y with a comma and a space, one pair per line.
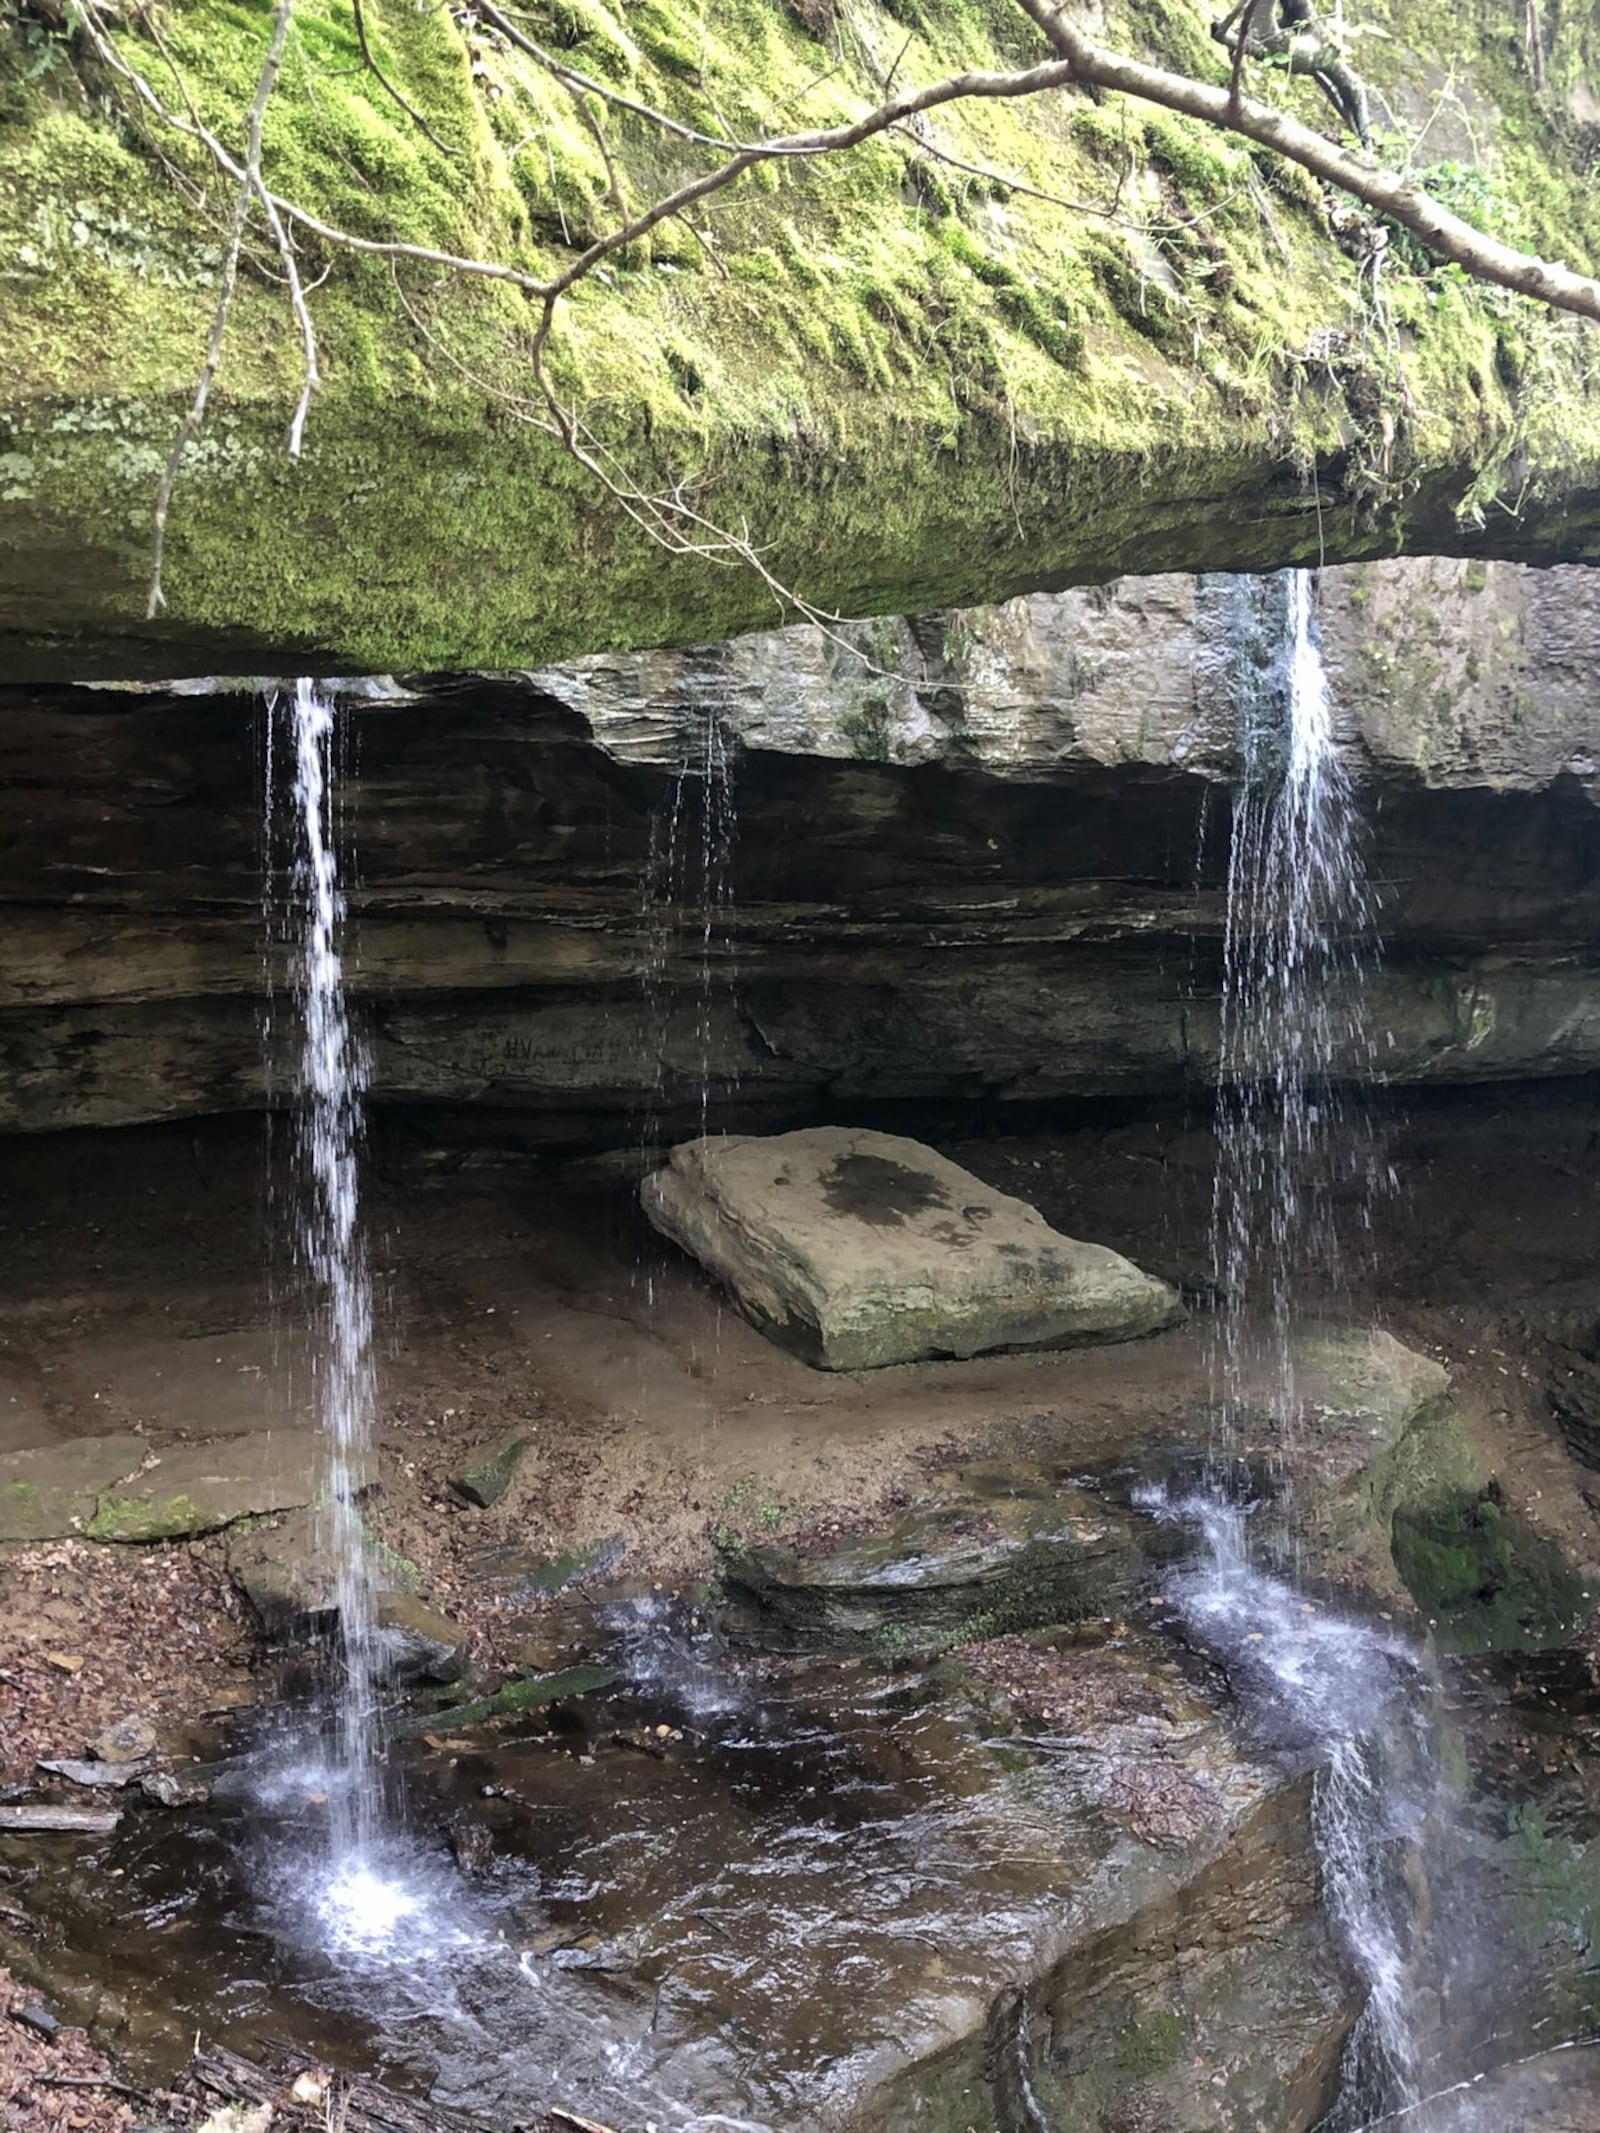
823, 1747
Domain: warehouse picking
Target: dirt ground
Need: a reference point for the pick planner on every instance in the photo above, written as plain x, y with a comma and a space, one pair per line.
149, 1285
52, 2080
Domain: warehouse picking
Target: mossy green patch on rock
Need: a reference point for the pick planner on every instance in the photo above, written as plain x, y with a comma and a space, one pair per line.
148, 1518
913, 385
509, 1702
1484, 1577
51, 1491
187, 1489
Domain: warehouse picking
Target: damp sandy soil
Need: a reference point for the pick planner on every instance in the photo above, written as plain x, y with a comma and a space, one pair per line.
149, 1287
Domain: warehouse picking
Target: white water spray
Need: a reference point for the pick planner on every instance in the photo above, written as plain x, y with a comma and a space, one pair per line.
333, 1082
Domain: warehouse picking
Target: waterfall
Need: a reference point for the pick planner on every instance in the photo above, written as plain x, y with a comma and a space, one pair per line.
1338, 1691
333, 1080
718, 823
1298, 912
685, 898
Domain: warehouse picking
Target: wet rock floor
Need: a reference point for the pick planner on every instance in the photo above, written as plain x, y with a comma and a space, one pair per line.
811, 1888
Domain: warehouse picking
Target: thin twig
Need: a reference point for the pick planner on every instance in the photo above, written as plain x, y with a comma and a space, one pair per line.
88, 2081
928, 146
829, 140
311, 375
249, 187
1246, 24
619, 198
572, 78
370, 247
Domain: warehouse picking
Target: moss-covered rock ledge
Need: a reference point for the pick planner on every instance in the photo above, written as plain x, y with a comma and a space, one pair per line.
915, 387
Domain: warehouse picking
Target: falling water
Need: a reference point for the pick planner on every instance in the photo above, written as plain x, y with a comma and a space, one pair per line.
717, 827
685, 893
333, 1079
1324, 1685
1298, 916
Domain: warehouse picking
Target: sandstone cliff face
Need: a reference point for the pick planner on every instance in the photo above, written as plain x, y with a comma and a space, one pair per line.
1447, 674
984, 865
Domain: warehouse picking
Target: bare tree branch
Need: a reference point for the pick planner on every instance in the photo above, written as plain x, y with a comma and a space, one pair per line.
249, 176
1384, 191
311, 382
311, 377
831, 140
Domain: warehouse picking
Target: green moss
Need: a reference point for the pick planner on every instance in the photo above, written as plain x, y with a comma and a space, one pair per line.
1199, 164
1555, 1875
869, 725
1152, 2044
913, 385
513, 1700
146, 1518
1487, 1580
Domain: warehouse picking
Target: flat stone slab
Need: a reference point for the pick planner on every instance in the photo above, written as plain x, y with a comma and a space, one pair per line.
52, 1492
126, 1489
860, 1249
195, 1488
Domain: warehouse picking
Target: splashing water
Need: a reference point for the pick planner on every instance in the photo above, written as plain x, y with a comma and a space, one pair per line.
1329, 1687
333, 1082
1348, 1697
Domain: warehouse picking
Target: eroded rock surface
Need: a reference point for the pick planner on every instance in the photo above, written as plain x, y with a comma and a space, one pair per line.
988, 1548
861, 1249
1557, 2092
1445, 673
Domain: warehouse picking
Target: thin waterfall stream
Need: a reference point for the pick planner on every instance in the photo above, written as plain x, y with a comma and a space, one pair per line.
1344, 1693
333, 1084
1299, 918
354, 1901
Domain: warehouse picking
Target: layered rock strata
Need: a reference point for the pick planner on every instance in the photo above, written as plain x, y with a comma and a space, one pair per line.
984, 865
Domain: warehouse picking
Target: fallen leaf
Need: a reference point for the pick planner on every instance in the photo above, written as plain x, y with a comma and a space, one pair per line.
65, 1662
239, 2118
